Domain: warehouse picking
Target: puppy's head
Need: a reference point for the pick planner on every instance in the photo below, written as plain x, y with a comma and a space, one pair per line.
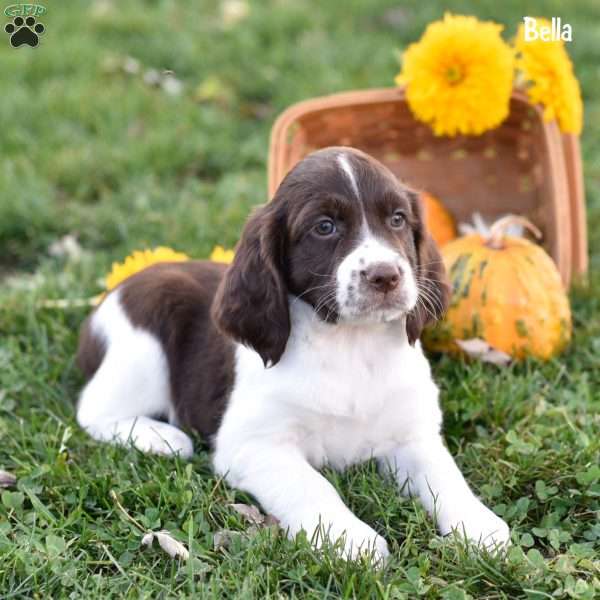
342, 234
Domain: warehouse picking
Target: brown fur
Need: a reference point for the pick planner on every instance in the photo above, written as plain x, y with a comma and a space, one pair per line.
90, 352
172, 301
279, 254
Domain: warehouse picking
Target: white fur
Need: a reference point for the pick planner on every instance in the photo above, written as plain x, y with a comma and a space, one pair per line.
352, 292
340, 395
347, 168
130, 387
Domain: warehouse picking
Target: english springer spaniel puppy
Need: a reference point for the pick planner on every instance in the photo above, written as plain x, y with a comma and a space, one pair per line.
305, 352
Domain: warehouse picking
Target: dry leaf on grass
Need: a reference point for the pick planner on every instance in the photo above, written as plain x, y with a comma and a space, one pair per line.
223, 538
271, 521
7, 480
481, 350
253, 516
249, 512
167, 542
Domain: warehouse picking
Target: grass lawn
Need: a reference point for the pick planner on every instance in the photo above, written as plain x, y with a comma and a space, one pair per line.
88, 147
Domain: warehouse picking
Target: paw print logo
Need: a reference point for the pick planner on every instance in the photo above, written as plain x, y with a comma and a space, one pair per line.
24, 31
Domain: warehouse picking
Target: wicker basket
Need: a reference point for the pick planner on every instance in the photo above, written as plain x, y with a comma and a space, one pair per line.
525, 166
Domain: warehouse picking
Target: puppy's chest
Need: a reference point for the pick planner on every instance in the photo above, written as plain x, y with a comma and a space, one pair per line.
363, 418
348, 374
352, 399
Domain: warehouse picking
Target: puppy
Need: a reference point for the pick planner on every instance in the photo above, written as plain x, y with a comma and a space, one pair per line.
303, 353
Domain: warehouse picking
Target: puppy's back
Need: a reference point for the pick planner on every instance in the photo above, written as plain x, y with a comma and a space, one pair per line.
172, 302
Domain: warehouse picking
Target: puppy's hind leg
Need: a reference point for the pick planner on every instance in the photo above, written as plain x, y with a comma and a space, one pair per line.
129, 388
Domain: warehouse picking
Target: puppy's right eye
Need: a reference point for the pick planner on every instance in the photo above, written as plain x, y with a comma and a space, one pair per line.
397, 220
325, 227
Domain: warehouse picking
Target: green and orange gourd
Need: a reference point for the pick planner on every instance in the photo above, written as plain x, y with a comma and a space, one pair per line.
505, 290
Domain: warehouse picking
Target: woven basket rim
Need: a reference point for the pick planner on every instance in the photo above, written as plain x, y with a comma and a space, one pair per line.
345, 99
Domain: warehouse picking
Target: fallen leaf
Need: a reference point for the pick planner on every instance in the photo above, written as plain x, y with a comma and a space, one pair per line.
481, 350
223, 538
167, 542
7, 480
250, 513
497, 357
473, 346
253, 515
271, 521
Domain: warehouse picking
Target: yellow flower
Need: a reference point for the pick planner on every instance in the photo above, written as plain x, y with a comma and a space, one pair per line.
139, 260
220, 255
459, 76
546, 68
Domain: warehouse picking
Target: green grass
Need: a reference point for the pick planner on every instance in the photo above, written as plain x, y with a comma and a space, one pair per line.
88, 149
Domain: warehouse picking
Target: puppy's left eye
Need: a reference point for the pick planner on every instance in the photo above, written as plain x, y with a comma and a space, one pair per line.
397, 220
325, 227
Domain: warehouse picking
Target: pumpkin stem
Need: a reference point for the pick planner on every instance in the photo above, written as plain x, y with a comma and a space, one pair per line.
498, 230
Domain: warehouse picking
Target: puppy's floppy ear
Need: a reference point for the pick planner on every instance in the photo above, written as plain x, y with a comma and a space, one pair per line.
434, 291
251, 304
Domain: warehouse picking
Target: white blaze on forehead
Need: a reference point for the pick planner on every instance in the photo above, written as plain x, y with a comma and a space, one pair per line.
347, 168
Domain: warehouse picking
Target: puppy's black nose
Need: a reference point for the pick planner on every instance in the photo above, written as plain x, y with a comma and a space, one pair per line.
383, 277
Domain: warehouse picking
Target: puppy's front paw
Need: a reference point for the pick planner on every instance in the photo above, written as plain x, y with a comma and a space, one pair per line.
479, 525
357, 540
162, 438
371, 545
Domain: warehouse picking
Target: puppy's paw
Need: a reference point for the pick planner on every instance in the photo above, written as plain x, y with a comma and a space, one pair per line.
162, 438
356, 540
375, 548
479, 525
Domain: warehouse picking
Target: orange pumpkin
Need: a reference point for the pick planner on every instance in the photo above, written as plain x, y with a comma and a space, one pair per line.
505, 290
439, 221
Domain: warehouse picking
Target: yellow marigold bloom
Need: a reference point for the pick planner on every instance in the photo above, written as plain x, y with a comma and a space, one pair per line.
220, 255
547, 70
459, 76
139, 260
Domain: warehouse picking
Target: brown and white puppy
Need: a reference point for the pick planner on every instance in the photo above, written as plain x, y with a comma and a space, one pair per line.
304, 352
